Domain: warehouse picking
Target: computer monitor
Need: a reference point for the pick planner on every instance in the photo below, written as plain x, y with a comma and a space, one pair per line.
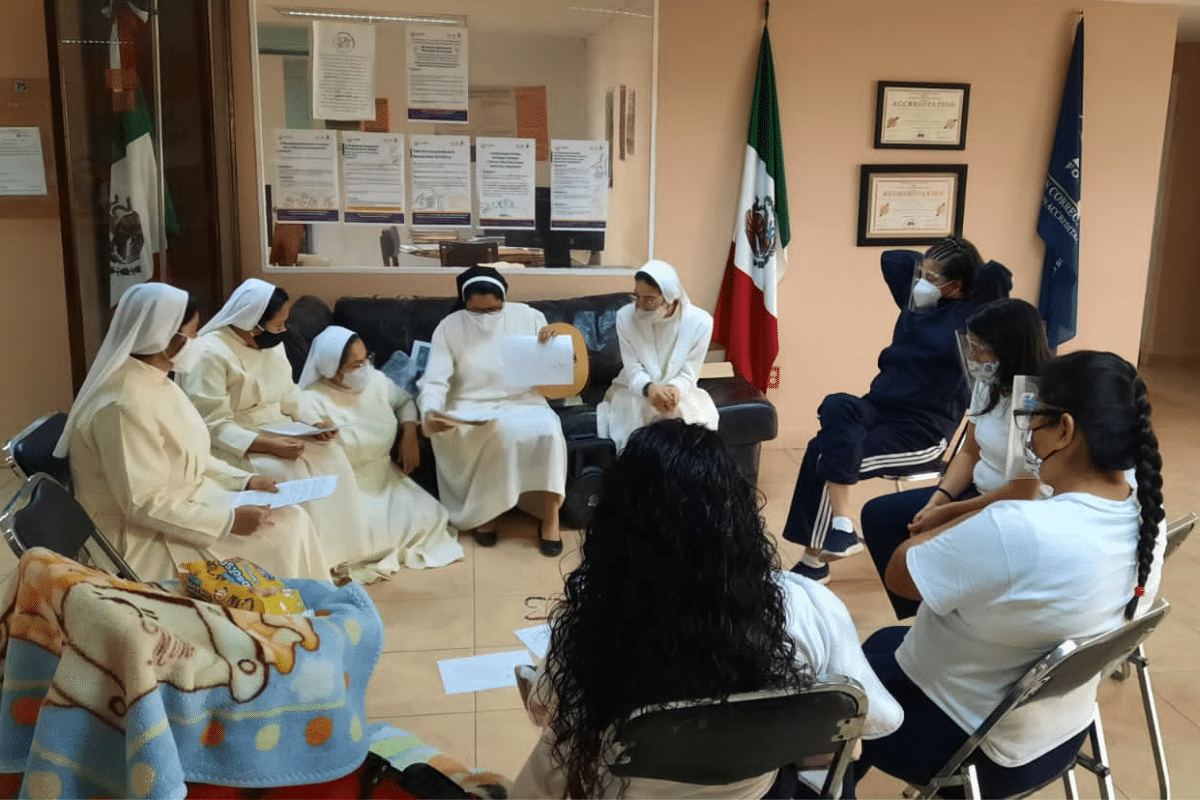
556, 246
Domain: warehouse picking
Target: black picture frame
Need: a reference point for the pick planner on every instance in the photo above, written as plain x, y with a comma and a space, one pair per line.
906, 228
923, 128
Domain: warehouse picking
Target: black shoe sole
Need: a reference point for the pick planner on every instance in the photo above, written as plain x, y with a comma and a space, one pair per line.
485, 539
549, 548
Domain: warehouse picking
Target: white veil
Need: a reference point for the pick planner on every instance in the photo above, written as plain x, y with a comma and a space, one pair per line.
146, 319
244, 308
325, 355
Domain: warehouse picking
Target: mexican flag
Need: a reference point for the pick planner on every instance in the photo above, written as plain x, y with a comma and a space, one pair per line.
137, 223
746, 318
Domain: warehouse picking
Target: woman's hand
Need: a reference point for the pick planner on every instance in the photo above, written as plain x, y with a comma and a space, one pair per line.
545, 334
248, 519
410, 448
929, 518
285, 447
434, 423
260, 484
663, 398
325, 422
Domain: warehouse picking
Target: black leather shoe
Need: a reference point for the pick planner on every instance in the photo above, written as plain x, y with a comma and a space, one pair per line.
485, 538
549, 548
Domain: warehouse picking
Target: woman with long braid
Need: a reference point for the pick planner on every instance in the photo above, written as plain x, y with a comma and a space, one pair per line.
1003, 588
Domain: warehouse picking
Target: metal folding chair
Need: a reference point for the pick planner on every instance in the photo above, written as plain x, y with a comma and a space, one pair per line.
32, 450
1069, 666
44, 514
715, 742
932, 471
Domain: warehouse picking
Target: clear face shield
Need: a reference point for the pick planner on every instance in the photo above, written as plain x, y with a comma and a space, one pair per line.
978, 361
1019, 461
925, 291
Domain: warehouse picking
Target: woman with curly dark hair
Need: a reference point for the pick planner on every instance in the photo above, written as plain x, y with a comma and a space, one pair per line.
1002, 589
678, 597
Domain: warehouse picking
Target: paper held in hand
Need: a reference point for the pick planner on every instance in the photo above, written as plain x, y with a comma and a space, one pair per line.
290, 492
529, 363
297, 429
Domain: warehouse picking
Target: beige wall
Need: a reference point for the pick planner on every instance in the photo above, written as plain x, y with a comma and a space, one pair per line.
35, 357
835, 313
1173, 332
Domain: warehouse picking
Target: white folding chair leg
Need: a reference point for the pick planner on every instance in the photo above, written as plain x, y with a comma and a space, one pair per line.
971, 785
1156, 742
1100, 753
1070, 785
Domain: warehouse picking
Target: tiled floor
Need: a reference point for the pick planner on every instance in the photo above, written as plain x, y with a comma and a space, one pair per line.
473, 607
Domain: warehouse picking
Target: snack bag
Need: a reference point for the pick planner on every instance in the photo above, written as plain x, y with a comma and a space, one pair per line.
238, 583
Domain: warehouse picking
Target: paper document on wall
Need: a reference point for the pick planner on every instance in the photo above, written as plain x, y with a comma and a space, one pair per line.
343, 70
290, 492
22, 169
528, 362
479, 673
297, 429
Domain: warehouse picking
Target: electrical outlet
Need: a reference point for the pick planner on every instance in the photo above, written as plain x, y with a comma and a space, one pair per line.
773, 380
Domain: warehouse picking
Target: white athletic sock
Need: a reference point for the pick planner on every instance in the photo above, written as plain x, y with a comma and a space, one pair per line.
809, 560
842, 524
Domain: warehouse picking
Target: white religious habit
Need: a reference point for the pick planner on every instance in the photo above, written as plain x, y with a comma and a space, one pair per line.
404, 524
238, 389
483, 469
658, 349
141, 462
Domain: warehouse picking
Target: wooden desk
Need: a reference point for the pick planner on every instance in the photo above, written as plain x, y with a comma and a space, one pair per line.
529, 256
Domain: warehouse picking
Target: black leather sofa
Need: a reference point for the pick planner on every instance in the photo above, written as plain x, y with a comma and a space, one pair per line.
387, 324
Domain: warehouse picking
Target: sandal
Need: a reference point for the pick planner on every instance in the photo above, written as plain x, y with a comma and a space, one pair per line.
549, 547
485, 538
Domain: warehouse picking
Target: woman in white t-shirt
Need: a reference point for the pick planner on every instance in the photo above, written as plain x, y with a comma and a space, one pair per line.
1002, 339
678, 596
1003, 588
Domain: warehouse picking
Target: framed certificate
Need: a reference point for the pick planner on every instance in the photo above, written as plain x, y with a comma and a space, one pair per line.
910, 203
922, 115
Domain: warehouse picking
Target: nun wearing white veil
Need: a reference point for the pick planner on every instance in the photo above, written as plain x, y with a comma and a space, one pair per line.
141, 462
241, 381
483, 470
404, 524
663, 339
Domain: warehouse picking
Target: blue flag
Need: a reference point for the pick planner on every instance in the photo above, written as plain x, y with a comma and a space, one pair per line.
1058, 223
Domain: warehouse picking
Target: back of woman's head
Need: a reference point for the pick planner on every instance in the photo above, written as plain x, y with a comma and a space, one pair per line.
1111, 409
675, 597
1013, 331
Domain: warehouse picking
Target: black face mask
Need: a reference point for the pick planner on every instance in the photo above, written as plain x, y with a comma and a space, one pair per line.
268, 339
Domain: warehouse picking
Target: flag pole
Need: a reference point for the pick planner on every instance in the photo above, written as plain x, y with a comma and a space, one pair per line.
156, 53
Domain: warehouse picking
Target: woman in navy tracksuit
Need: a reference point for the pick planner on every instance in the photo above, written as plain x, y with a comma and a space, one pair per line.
913, 407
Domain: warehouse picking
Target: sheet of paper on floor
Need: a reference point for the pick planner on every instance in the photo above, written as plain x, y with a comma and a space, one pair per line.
480, 673
536, 638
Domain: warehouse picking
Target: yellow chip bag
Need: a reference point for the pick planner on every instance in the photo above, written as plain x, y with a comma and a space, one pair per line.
238, 583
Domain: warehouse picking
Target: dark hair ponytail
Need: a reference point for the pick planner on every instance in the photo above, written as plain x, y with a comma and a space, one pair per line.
1109, 402
1149, 493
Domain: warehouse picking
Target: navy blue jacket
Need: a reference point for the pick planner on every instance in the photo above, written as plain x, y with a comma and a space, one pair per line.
920, 372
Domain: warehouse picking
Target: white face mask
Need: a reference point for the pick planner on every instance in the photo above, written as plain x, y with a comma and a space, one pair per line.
484, 323
356, 380
983, 371
185, 360
656, 315
925, 295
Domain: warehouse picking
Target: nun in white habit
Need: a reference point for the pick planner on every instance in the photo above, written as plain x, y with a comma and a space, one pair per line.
663, 339
483, 470
241, 381
404, 524
141, 462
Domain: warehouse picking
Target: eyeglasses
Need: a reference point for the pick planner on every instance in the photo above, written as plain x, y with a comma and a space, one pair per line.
977, 348
647, 301
353, 365
1023, 417
936, 278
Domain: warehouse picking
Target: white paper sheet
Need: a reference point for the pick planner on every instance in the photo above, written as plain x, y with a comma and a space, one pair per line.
528, 363
22, 170
290, 492
343, 70
480, 673
536, 638
297, 429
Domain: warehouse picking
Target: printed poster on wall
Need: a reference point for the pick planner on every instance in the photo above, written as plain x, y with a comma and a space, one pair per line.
441, 180
373, 174
22, 170
306, 176
343, 71
436, 60
578, 184
505, 171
